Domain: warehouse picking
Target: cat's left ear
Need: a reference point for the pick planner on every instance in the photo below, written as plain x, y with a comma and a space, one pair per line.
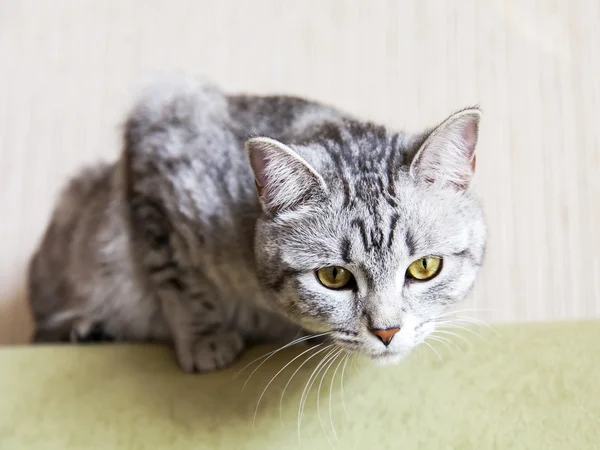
448, 154
283, 178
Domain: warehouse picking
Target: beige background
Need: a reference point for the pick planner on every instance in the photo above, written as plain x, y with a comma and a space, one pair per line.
68, 71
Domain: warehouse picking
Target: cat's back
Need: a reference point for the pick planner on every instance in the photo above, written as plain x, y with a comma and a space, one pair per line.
280, 117
186, 137
189, 116
178, 118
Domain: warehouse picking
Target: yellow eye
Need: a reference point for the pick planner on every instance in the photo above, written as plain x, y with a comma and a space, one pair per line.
425, 268
334, 277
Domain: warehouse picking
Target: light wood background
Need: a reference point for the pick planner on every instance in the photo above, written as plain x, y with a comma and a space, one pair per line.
69, 68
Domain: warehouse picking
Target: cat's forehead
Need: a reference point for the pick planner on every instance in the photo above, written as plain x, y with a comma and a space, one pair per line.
354, 149
361, 162
345, 133
378, 240
411, 224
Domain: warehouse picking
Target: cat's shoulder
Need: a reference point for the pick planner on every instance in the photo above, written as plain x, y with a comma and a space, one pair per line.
179, 102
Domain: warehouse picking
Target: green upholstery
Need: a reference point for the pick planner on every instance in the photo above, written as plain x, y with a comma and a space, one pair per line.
537, 386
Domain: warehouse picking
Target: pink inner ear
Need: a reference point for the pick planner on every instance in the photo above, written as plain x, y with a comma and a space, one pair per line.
469, 134
259, 164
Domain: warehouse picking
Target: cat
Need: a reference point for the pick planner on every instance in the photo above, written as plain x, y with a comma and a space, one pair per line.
235, 219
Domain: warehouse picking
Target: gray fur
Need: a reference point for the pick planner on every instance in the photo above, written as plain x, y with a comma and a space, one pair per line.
172, 242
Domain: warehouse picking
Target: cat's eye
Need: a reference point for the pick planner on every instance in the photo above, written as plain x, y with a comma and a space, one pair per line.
335, 277
425, 268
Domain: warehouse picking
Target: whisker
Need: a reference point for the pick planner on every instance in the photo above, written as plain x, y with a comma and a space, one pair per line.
356, 365
309, 383
294, 374
343, 353
325, 370
450, 333
342, 385
270, 354
458, 311
420, 351
312, 380
281, 370
444, 342
472, 321
455, 326
295, 341
289, 344
315, 371
434, 350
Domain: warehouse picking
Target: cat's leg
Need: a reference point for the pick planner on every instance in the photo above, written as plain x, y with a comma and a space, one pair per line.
202, 341
202, 335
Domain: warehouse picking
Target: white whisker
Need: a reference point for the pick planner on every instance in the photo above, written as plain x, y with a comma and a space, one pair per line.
270, 354
434, 350
472, 321
419, 349
281, 370
342, 385
309, 383
456, 335
455, 326
458, 311
444, 342
343, 353
356, 365
295, 341
293, 375
326, 368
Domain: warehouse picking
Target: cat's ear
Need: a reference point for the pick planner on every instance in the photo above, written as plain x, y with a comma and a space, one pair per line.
448, 154
283, 178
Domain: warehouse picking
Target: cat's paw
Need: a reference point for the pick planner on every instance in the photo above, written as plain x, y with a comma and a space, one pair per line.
210, 353
89, 331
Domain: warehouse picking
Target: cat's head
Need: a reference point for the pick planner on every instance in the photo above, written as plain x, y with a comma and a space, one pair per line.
367, 234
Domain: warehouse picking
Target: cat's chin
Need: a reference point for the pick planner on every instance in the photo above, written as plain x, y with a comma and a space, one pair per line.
384, 359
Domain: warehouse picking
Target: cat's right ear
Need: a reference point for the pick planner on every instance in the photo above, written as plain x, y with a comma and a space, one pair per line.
283, 178
447, 156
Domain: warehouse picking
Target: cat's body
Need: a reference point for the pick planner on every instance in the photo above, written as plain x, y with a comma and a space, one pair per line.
172, 242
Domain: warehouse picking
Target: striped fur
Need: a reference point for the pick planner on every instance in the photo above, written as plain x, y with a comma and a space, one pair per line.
172, 243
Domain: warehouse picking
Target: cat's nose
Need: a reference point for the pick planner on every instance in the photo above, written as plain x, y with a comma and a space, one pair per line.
386, 335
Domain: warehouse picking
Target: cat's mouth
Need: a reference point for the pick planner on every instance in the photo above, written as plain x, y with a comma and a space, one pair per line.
355, 345
382, 358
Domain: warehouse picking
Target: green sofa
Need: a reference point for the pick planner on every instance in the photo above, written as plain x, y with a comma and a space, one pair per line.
535, 386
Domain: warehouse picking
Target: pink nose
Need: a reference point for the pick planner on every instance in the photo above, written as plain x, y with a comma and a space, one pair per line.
386, 336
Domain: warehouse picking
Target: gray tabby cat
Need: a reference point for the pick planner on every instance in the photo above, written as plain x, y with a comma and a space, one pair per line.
234, 219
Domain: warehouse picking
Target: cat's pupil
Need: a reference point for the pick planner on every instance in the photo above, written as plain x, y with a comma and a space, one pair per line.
334, 273
424, 262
